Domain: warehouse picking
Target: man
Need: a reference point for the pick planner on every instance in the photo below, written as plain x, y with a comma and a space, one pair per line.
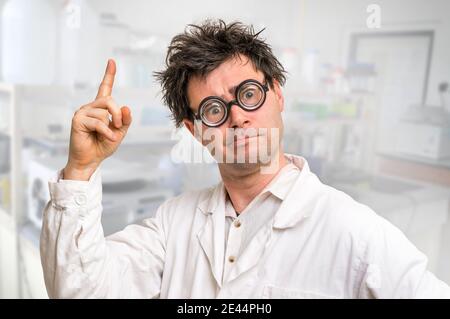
269, 229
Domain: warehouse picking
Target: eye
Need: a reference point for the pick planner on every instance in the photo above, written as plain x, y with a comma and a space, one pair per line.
248, 95
215, 110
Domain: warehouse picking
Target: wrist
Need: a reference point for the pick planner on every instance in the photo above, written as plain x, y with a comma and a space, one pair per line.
73, 172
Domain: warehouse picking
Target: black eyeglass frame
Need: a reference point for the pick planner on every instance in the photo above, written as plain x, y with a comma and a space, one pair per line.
264, 89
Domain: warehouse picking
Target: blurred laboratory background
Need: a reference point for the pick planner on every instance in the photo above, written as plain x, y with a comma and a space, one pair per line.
367, 103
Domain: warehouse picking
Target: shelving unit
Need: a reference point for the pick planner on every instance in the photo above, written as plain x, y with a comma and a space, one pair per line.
336, 129
18, 256
9, 274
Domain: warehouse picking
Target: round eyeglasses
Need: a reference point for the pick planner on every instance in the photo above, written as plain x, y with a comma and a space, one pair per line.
249, 95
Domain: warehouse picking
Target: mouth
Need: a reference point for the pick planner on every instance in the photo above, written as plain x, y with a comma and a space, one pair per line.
242, 140
241, 137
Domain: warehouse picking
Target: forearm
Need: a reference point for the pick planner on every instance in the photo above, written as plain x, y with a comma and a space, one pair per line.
71, 218
79, 262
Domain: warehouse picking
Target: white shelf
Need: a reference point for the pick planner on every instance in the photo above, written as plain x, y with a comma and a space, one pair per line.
443, 162
10, 273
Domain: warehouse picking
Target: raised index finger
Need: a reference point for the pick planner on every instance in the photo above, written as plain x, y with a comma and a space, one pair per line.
106, 86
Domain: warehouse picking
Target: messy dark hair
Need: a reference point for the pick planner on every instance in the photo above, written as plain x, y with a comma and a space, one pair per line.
201, 49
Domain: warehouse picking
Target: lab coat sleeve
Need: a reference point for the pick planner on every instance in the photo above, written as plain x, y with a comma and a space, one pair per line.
79, 262
394, 268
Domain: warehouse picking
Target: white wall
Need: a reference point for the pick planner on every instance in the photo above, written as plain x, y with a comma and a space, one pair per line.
328, 23
169, 17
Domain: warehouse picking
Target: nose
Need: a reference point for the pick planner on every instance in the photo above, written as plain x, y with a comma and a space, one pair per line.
238, 117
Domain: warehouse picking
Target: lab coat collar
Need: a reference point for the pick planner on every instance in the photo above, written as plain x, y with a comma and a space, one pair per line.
299, 201
209, 205
302, 197
280, 185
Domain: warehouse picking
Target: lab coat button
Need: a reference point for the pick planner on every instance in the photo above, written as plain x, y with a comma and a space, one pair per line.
231, 259
237, 223
80, 199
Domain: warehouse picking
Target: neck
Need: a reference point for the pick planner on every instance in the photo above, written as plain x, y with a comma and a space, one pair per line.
243, 184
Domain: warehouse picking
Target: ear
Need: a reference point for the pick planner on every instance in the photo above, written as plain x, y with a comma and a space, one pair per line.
189, 125
194, 129
278, 94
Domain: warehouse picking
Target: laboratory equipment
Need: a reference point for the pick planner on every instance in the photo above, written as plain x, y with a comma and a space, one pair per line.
425, 131
130, 192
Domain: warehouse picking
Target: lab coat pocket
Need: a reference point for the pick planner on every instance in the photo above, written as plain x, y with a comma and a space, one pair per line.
273, 292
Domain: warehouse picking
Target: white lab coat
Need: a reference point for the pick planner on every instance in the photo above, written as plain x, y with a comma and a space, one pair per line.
320, 244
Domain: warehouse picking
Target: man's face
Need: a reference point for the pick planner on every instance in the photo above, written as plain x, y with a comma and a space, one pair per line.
249, 132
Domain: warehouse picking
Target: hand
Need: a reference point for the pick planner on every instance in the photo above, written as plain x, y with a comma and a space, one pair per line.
94, 136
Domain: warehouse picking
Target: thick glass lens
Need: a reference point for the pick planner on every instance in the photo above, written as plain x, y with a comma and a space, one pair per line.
250, 95
213, 111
